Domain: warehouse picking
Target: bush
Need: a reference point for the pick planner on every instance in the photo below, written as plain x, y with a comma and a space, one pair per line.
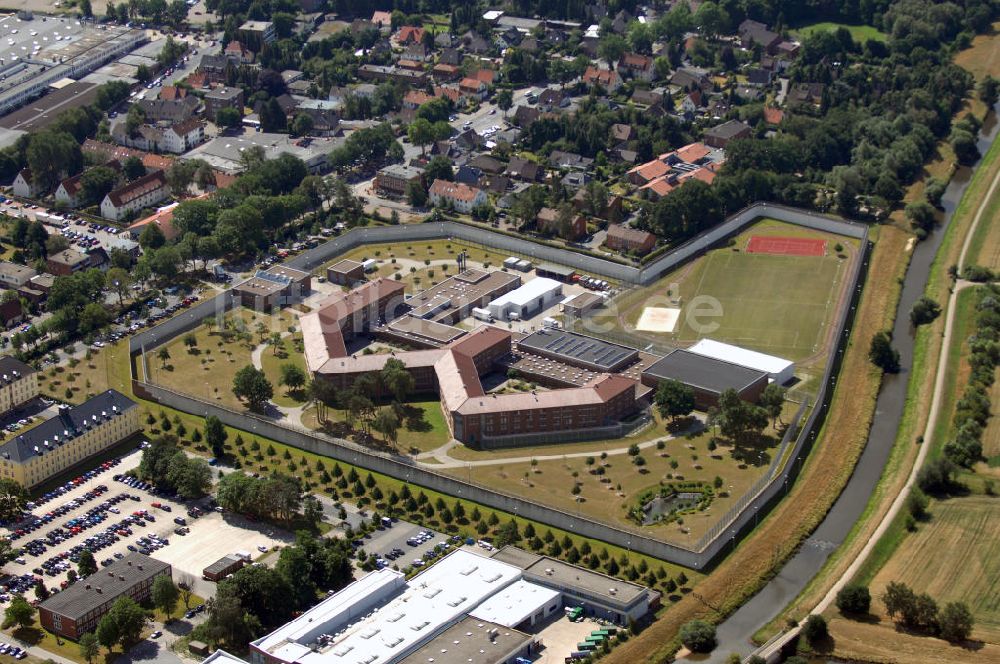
854, 599
937, 476
698, 636
955, 622
815, 629
916, 503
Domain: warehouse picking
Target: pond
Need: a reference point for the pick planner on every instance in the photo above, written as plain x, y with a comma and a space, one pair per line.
661, 506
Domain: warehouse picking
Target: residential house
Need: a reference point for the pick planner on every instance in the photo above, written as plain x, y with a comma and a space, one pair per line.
645, 97
450, 56
462, 197
621, 133
414, 98
11, 313
223, 97
525, 115
806, 96
773, 116
606, 78
551, 99
25, 185
175, 138
475, 44
15, 276
141, 193
408, 34
473, 88
394, 180
487, 164
172, 92
525, 170
445, 72
640, 67
68, 191
689, 79
570, 160
445, 40
417, 53
647, 172
626, 239
754, 33
238, 53
162, 218
691, 104
548, 223
468, 174
383, 21
67, 262
721, 135
176, 110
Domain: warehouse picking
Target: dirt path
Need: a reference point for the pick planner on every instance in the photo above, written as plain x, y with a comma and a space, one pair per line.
772, 648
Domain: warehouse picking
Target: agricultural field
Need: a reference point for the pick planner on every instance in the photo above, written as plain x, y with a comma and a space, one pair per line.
953, 557
781, 304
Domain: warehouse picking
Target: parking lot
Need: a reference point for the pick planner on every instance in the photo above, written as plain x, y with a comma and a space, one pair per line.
404, 536
111, 517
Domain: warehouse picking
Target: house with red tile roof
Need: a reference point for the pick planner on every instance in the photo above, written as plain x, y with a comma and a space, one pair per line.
140, 193
633, 65
461, 196
606, 78
408, 34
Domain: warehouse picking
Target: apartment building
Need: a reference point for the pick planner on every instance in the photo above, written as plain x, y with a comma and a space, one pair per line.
143, 192
18, 383
461, 196
71, 437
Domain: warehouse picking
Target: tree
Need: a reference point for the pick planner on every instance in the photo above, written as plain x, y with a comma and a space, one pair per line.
292, 376
854, 599
13, 499
122, 624
421, 133
272, 117
416, 194
228, 118
738, 420
882, 354
955, 622
924, 311
964, 145
133, 168
165, 594
988, 90
898, 598
711, 19
163, 355
152, 237
190, 477
611, 48
674, 399
19, 612
215, 435
95, 183
302, 124
387, 423
815, 629
86, 565
772, 399
504, 100
119, 280
90, 647
251, 385
698, 636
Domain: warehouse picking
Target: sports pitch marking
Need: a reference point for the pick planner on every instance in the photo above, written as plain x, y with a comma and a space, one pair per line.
658, 319
786, 246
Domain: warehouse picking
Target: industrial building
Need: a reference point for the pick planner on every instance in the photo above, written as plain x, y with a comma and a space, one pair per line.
345, 272
578, 350
76, 610
778, 370
707, 376
527, 301
454, 298
465, 608
47, 53
223, 153
74, 435
223, 567
274, 287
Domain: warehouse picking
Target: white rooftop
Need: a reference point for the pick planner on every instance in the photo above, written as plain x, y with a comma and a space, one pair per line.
223, 657
742, 356
381, 617
523, 295
515, 603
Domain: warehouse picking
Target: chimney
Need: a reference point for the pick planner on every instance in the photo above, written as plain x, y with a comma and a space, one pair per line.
140, 567
87, 586
99, 591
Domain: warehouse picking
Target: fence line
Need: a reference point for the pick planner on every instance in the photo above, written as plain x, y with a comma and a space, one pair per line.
765, 493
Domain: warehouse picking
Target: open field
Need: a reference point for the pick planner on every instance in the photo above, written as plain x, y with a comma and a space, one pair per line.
425, 430
783, 305
953, 557
611, 487
271, 360
206, 370
876, 642
860, 33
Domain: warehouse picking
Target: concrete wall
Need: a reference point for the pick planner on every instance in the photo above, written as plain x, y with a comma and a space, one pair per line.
723, 535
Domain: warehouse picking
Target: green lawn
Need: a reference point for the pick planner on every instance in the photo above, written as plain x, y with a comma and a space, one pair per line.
860, 33
271, 360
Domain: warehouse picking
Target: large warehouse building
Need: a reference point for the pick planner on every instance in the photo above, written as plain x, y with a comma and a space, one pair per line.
778, 370
467, 607
707, 376
528, 300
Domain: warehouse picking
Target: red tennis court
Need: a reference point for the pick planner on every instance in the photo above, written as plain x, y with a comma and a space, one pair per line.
786, 246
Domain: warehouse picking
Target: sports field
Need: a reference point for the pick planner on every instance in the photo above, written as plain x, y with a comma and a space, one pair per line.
953, 557
774, 289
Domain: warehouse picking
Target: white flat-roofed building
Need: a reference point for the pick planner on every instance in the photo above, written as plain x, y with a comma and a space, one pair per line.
520, 604
778, 370
382, 618
526, 301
